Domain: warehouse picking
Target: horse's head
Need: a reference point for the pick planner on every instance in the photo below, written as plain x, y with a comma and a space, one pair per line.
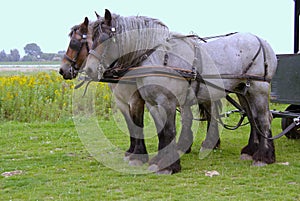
77, 51
104, 49
121, 41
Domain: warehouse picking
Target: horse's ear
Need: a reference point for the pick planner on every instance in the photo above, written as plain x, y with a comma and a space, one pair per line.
97, 15
86, 21
107, 17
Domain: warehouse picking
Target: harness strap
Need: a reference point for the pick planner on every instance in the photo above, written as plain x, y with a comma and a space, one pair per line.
261, 48
87, 46
253, 59
254, 123
167, 71
197, 65
230, 76
188, 36
72, 61
290, 127
200, 38
95, 54
219, 120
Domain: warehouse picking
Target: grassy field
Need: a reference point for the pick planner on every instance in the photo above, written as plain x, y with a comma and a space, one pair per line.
55, 165
48, 158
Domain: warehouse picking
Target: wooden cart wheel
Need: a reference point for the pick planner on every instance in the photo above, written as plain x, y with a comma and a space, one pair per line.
285, 122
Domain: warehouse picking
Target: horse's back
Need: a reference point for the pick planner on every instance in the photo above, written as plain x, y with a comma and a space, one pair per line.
234, 53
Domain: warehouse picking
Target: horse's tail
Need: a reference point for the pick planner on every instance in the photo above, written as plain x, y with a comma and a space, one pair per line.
202, 111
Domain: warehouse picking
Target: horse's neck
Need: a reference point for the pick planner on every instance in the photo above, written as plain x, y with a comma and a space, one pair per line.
136, 40
175, 52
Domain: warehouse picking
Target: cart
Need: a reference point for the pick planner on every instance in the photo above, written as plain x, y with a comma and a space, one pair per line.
284, 85
284, 90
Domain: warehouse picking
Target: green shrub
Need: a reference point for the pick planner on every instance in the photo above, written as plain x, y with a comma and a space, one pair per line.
43, 96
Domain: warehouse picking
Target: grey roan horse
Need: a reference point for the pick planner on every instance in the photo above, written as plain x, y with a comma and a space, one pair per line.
128, 99
244, 61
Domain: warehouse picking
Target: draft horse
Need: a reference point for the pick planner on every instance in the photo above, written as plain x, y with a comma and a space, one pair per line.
241, 63
127, 98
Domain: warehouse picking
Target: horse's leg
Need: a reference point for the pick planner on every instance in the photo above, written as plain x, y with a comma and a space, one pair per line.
185, 140
137, 114
257, 98
265, 153
167, 160
124, 108
212, 139
252, 146
134, 122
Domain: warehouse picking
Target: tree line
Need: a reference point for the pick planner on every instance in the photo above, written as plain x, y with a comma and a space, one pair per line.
32, 53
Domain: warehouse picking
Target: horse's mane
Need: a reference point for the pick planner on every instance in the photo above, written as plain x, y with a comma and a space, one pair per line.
135, 34
131, 23
73, 29
76, 27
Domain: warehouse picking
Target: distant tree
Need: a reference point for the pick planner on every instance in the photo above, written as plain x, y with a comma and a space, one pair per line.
47, 56
58, 57
33, 49
29, 58
3, 56
61, 52
14, 55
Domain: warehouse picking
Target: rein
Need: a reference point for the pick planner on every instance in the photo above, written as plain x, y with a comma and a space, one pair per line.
174, 72
205, 39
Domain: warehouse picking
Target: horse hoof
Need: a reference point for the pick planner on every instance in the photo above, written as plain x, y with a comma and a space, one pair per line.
165, 172
135, 163
153, 168
245, 157
259, 163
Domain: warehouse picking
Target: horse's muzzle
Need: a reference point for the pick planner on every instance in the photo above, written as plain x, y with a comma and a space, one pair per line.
68, 72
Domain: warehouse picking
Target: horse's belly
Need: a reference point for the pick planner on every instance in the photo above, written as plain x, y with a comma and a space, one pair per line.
214, 90
152, 88
124, 92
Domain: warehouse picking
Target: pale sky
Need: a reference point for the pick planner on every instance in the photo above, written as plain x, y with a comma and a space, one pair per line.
47, 23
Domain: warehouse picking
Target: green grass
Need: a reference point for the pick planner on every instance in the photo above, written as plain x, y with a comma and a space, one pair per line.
51, 150
57, 166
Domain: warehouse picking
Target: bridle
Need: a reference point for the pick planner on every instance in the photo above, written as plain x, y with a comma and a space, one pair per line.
76, 45
108, 32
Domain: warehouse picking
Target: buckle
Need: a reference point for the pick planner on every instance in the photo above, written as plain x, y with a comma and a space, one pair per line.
297, 121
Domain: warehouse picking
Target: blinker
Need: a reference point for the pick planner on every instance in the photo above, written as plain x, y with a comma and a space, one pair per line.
104, 37
75, 45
